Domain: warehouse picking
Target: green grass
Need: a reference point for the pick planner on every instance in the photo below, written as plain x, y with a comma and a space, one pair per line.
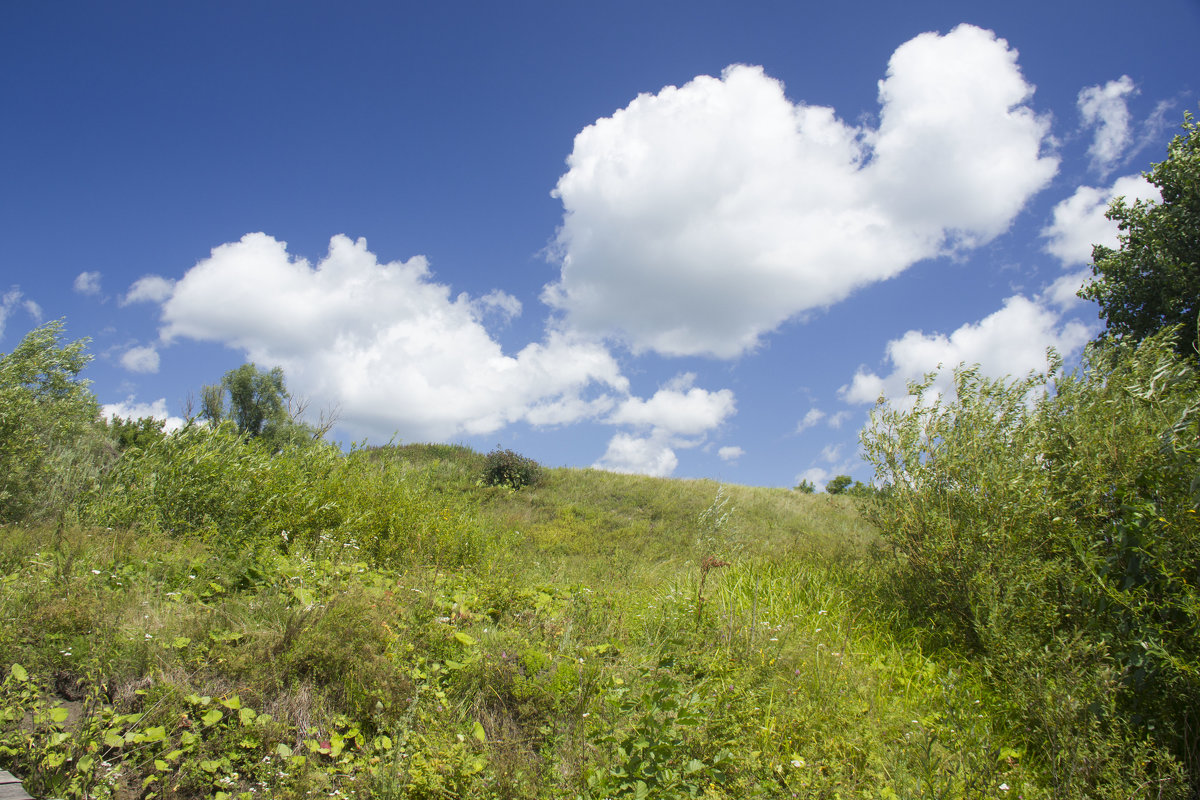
577, 649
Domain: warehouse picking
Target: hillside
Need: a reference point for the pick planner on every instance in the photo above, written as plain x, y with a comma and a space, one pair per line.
563, 653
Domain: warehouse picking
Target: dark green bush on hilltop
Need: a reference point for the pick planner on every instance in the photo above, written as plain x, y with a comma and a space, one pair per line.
506, 468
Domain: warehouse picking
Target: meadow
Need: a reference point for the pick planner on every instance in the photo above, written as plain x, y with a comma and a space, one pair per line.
203, 615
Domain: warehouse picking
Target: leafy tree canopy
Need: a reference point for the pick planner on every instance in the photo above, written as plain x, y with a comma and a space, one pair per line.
1153, 279
258, 403
44, 408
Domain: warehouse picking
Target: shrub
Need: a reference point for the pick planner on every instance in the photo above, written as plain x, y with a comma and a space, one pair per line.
1056, 514
47, 415
506, 468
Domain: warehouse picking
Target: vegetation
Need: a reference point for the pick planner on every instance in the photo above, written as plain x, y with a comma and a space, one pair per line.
1010, 610
1153, 279
506, 468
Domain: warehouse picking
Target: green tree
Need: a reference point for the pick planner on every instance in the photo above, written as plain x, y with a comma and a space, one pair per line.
838, 485
1153, 279
805, 487
257, 399
46, 413
258, 403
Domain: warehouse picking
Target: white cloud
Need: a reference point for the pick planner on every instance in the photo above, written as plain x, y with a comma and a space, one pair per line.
140, 359
831, 453
131, 409
87, 283
149, 288
814, 416
13, 299
700, 218
1009, 342
817, 476
642, 455
383, 341
1104, 108
731, 453
1079, 221
677, 409
500, 303
678, 415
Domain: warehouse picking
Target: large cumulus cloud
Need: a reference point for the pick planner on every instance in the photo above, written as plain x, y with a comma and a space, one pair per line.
702, 217
384, 341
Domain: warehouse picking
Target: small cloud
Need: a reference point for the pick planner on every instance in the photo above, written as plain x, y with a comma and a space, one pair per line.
831, 453
149, 289
837, 419
813, 416
87, 283
731, 453
501, 303
140, 359
641, 455
817, 476
677, 408
14, 299
1105, 109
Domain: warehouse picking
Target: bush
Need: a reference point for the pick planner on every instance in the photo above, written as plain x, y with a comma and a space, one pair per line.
506, 468
47, 422
1052, 515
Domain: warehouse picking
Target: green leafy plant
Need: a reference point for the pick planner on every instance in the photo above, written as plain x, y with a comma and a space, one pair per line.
507, 468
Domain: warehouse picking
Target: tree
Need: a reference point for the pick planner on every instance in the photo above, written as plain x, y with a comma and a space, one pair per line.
805, 487
46, 413
256, 399
258, 403
838, 485
1153, 279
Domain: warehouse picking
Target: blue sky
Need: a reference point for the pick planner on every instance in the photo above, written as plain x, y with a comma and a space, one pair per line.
692, 239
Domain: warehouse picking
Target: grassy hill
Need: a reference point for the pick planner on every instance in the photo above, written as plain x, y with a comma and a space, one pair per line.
596, 635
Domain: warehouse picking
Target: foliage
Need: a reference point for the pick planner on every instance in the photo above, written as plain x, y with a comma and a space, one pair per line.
215, 485
46, 416
1153, 279
806, 487
1049, 523
127, 433
256, 402
839, 484
506, 468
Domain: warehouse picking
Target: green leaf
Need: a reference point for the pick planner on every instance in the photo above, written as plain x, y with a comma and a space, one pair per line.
59, 714
19, 673
283, 751
210, 766
180, 642
113, 740
161, 765
212, 718
478, 731
465, 638
233, 703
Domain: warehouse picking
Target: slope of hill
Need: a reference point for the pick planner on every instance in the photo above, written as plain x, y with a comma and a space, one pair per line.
596, 635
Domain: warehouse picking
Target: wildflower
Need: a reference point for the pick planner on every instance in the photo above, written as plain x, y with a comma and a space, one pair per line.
797, 762
95, 572
1004, 787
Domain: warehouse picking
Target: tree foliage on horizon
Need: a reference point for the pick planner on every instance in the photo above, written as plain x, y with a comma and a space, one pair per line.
1153, 279
259, 404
